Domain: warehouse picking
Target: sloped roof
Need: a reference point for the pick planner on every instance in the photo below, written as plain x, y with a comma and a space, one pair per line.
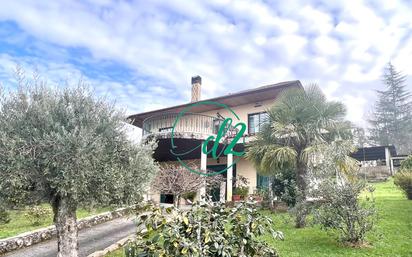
243, 97
373, 153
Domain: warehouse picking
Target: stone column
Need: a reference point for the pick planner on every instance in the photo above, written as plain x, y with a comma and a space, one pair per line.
229, 177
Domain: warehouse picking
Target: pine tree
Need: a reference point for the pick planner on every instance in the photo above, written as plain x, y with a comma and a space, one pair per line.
392, 117
359, 137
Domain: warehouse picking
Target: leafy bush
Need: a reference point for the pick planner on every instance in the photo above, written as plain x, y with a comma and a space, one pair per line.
242, 191
407, 163
37, 214
208, 229
403, 179
4, 216
284, 186
341, 211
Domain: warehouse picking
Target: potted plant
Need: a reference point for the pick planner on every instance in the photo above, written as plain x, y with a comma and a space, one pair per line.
241, 189
259, 195
240, 193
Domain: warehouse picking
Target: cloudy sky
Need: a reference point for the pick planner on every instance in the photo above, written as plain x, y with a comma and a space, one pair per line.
143, 53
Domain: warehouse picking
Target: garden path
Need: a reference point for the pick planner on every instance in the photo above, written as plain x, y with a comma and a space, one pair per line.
90, 239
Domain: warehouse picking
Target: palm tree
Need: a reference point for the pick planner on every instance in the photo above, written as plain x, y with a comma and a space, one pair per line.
300, 122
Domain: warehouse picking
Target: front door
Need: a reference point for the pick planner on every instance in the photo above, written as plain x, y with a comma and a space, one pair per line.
214, 192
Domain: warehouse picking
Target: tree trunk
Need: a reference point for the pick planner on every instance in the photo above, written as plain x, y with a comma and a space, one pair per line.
66, 226
271, 205
301, 211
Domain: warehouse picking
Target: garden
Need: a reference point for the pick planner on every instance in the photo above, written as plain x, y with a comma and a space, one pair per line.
331, 211
391, 237
82, 157
34, 217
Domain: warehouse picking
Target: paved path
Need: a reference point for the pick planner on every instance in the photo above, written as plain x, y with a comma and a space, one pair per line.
90, 240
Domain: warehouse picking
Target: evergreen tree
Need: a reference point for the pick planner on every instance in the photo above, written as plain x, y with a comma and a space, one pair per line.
392, 117
360, 139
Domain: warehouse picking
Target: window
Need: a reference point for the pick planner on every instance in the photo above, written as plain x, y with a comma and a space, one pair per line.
256, 120
166, 198
262, 182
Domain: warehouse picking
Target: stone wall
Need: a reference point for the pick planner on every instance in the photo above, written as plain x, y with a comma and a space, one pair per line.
43, 234
119, 244
375, 173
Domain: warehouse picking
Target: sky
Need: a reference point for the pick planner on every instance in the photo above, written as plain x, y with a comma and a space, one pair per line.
142, 54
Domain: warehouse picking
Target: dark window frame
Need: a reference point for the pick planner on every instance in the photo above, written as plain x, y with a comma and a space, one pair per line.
248, 121
262, 182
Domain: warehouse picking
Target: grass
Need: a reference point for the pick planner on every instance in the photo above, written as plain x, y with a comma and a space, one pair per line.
392, 237
20, 224
118, 253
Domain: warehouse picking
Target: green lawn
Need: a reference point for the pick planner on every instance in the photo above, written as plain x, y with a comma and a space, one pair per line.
393, 235
20, 224
118, 253
392, 238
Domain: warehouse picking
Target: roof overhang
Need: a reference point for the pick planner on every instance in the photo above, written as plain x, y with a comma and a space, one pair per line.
373, 153
244, 97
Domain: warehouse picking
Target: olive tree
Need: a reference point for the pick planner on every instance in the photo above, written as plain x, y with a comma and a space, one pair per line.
66, 147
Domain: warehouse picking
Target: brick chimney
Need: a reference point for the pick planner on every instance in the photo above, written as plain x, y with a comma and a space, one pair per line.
196, 88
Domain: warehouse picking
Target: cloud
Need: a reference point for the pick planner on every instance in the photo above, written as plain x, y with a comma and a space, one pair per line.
354, 103
143, 53
327, 46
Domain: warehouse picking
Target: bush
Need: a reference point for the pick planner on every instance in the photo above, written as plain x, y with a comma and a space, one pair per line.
403, 179
37, 214
208, 229
284, 186
242, 191
407, 163
4, 216
341, 211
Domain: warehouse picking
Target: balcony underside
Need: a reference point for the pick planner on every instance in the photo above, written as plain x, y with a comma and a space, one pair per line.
184, 145
179, 135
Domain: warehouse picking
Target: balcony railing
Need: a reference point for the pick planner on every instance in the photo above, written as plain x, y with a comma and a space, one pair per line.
187, 123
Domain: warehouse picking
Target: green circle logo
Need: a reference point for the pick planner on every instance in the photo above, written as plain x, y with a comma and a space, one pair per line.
224, 133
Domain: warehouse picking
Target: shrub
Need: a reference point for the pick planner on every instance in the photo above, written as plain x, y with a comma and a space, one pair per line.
284, 186
208, 229
4, 216
242, 191
341, 211
37, 214
403, 179
407, 163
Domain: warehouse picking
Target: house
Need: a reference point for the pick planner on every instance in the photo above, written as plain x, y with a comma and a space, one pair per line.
378, 162
375, 155
185, 128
